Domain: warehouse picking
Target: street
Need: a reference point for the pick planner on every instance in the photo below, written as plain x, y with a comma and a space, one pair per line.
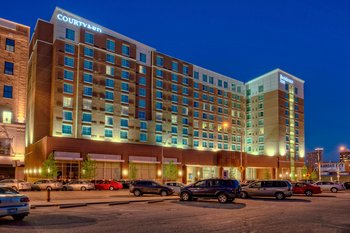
323, 213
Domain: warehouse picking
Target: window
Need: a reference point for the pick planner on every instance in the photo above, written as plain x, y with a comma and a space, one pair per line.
125, 50
86, 117
125, 111
87, 78
125, 86
87, 91
110, 58
67, 102
68, 75
142, 92
6, 117
159, 73
110, 70
143, 125
110, 45
88, 65
174, 140
174, 66
159, 61
109, 83
159, 127
196, 75
211, 80
295, 90
86, 130
159, 94
159, 138
142, 81
10, 45
141, 115
143, 137
174, 98
69, 48
159, 84
69, 61
173, 129
124, 98
109, 108
174, 108
204, 78
109, 95
143, 58
88, 52
185, 69
125, 74
124, 134
89, 38
261, 88
67, 88
109, 120
70, 34
8, 69
159, 106
108, 133
67, 129
142, 103
125, 63
174, 87
185, 141
142, 70
67, 116
185, 131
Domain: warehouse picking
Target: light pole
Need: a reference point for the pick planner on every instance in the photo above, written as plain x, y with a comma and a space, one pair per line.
163, 144
319, 165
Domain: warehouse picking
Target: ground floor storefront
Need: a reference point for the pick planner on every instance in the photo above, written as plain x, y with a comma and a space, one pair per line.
135, 161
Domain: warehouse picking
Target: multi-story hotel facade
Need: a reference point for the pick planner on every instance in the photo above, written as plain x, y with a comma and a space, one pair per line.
95, 93
14, 41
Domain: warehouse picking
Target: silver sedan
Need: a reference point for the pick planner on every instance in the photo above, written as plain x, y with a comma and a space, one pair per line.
78, 185
13, 204
15, 184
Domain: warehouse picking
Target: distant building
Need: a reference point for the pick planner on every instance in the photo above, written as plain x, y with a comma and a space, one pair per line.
14, 41
312, 158
344, 156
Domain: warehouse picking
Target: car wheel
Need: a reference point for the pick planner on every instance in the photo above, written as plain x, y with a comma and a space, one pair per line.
280, 196
222, 198
137, 193
164, 193
334, 190
49, 188
18, 217
185, 196
83, 188
111, 188
308, 193
15, 188
244, 195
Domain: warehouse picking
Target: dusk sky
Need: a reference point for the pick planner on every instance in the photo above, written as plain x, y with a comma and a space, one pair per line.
241, 39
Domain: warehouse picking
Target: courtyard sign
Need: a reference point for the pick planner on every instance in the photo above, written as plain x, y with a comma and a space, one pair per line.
77, 22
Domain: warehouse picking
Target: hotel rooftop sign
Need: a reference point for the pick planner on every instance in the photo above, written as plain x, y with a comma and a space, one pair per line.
78, 23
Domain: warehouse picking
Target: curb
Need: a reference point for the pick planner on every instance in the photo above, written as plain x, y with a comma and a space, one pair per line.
65, 206
119, 203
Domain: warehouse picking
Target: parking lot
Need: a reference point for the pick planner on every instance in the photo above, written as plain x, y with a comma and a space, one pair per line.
321, 213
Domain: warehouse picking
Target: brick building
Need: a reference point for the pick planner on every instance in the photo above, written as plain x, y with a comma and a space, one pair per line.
14, 41
94, 92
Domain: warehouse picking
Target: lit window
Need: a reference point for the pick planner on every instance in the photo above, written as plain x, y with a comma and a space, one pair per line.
67, 102
87, 104
142, 69
125, 110
109, 120
110, 70
109, 108
6, 117
10, 45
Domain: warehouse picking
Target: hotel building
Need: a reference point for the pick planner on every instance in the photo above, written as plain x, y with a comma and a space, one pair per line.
95, 93
14, 41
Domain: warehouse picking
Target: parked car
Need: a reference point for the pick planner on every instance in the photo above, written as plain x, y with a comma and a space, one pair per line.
347, 185
13, 204
78, 185
111, 185
48, 184
18, 185
269, 188
222, 189
247, 182
35, 187
305, 188
140, 187
330, 186
125, 183
176, 186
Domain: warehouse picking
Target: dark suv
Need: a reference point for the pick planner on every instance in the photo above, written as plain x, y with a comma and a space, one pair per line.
140, 187
222, 189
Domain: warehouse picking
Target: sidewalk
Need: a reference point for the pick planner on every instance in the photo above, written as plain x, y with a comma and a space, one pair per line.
58, 198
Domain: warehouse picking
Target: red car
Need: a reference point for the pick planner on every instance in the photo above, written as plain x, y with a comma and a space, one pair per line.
305, 188
111, 185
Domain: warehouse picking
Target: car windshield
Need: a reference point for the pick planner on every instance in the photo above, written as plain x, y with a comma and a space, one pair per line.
7, 191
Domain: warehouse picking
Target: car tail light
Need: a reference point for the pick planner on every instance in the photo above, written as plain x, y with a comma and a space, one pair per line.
24, 199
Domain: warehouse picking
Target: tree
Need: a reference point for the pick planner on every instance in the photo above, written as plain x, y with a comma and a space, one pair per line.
88, 170
49, 168
267, 174
132, 171
170, 171
304, 171
313, 175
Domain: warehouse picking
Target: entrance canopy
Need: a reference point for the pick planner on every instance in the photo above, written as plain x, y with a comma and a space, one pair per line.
59, 155
106, 158
143, 159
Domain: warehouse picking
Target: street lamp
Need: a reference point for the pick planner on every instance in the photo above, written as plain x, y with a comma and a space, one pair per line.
163, 144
